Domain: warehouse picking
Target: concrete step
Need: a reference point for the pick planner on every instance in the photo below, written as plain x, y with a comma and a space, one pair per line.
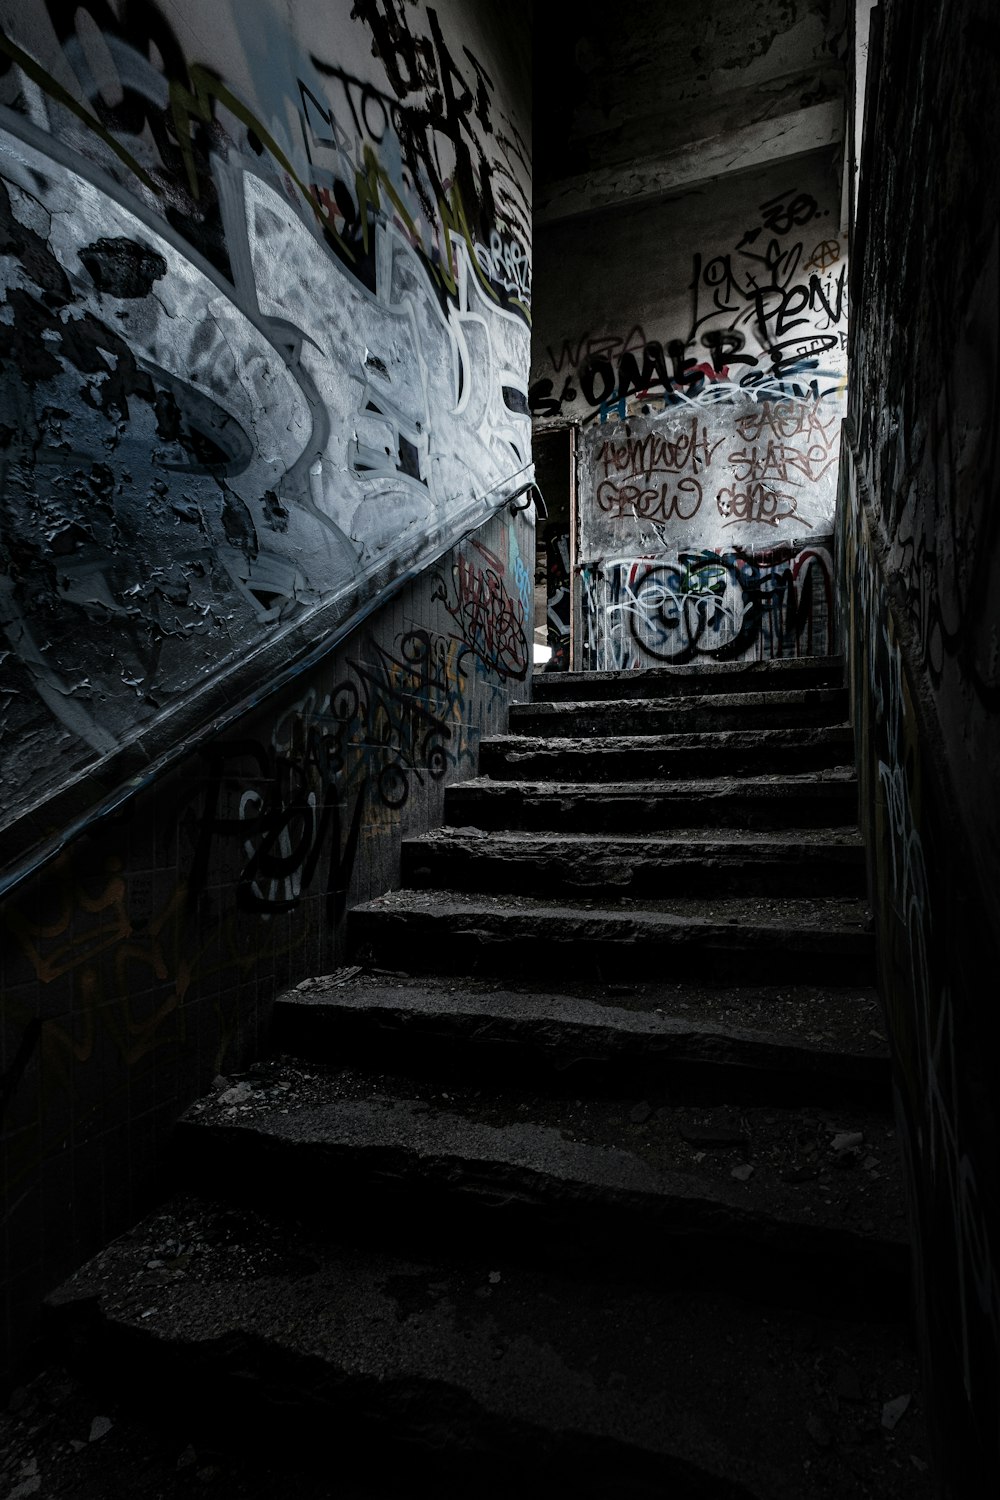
465, 1167
748, 940
788, 709
484, 1378
615, 758
673, 682
692, 862
822, 799
797, 1045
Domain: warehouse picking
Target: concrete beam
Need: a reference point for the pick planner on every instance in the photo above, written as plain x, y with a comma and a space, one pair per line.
653, 177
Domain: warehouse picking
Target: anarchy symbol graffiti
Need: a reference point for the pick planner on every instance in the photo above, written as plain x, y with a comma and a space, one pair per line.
826, 253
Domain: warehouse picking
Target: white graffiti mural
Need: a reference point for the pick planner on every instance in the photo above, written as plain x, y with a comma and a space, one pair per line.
711, 604
205, 439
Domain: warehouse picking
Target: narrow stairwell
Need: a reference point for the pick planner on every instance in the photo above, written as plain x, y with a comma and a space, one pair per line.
582, 1178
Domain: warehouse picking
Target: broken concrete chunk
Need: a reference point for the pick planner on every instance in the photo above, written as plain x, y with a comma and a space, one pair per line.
846, 1140
742, 1173
27, 1487
346, 974
894, 1409
238, 1094
100, 1427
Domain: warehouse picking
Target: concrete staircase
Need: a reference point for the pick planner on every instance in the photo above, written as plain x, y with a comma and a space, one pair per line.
581, 1179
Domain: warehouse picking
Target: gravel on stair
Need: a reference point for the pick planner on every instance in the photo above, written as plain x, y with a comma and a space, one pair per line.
473, 1354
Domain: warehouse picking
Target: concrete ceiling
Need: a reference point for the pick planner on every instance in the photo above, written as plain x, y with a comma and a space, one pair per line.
640, 104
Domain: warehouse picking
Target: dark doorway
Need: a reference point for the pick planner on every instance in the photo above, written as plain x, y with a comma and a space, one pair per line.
554, 552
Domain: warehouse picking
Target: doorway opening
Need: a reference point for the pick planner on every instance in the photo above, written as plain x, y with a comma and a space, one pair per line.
553, 636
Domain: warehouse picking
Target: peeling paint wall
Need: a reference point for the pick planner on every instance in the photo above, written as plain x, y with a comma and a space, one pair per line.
264, 289
709, 377
920, 564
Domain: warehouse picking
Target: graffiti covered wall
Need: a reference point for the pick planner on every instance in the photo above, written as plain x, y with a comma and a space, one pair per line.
695, 532
710, 384
264, 299
144, 961
920, 564
739, 287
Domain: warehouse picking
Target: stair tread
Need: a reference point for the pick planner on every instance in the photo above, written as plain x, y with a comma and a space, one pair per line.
739, 916
807, 1017
505, 1357
706, 738
795, 863
679, 680
769, 667
702, 785
801, 1044
677, 840
567, 1152
689, 704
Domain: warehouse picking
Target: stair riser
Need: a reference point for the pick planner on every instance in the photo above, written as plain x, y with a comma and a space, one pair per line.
569, 1061
426, 1202
580, 762
681, 718
833, 872
833, 805
521, 948
664, 682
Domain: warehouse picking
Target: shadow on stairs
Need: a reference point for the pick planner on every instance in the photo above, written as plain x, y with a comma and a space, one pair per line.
582, 1178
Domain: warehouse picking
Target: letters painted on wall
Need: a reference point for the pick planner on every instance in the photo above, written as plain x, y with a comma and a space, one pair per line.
731, 293
710, 389
707, 534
